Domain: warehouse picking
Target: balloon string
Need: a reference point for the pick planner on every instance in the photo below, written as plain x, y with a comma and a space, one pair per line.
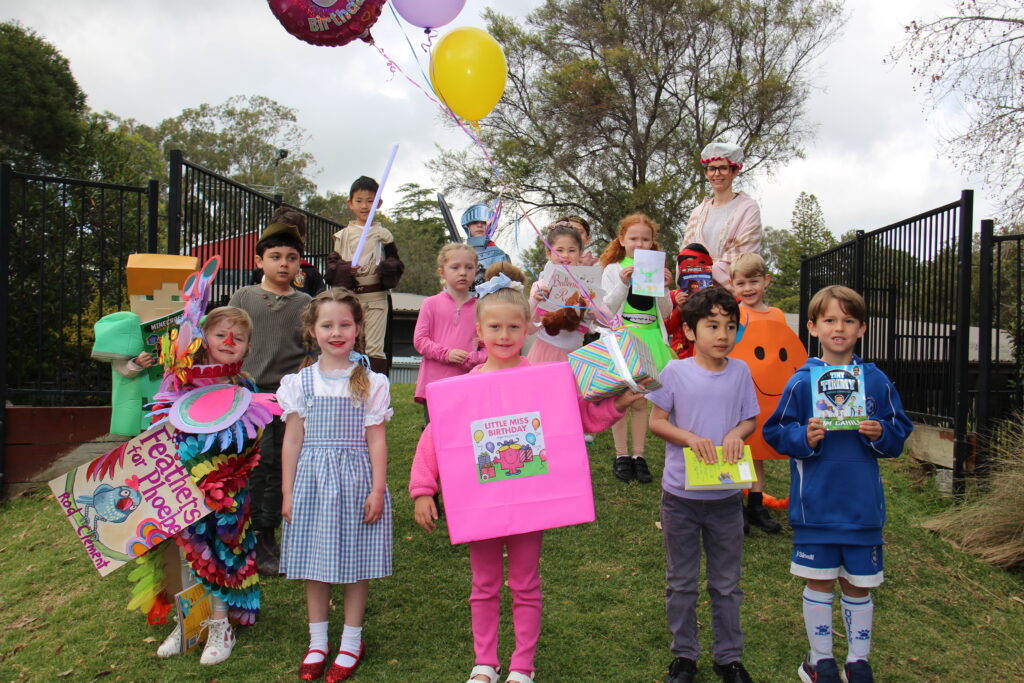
446, 109
431, 34
412, 50
602, 315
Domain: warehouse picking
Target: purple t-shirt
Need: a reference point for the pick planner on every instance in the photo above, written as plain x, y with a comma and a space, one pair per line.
709, 404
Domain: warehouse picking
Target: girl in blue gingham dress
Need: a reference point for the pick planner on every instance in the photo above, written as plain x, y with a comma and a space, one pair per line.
335, 501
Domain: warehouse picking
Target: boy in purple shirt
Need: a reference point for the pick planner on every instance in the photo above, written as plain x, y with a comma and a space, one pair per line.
704, 401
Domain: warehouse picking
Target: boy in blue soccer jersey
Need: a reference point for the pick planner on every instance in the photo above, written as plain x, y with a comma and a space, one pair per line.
836, 500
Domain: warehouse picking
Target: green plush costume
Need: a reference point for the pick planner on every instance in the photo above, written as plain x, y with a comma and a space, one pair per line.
119, 339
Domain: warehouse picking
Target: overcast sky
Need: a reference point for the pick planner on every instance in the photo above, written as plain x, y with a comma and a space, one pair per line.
876, 157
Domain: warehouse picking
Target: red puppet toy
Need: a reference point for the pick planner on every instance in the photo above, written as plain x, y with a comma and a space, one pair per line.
693, 273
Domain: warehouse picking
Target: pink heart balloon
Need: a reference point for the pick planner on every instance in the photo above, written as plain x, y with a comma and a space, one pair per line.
327, 22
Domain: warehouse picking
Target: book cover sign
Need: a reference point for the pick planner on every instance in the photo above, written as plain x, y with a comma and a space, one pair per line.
127, 501
508, 447
839, 396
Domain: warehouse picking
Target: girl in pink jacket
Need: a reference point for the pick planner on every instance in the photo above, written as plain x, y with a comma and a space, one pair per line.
502, 314
446, 327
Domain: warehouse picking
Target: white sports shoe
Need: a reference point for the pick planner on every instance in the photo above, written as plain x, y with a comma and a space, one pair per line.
220, 640
171, 645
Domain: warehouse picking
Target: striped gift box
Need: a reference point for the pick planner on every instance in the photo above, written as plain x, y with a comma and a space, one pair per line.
595, 372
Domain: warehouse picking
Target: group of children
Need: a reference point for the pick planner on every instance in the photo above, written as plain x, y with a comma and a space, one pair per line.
323, 465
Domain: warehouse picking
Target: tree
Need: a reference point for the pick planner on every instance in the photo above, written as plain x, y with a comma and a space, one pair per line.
782, 250
241, 139
333, 206
420, 233
42, 107
609, 104
975, 55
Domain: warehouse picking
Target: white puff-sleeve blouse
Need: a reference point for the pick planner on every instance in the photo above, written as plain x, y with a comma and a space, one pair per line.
336, 385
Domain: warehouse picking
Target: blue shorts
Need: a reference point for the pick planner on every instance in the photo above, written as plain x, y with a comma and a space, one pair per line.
861, 565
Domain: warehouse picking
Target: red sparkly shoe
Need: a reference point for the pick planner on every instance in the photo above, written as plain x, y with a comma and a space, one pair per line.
339, 673
311, 672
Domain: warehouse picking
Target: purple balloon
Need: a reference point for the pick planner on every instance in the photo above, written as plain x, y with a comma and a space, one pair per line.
430, 13
490, 446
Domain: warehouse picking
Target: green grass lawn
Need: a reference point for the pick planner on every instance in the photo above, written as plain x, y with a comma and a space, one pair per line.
940, 616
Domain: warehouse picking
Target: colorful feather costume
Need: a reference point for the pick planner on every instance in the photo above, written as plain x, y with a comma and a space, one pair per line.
220, 451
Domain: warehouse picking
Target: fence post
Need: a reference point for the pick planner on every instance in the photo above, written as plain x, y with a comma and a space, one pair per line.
858, 262
982, 404
174, 202
961, 447
6, 172
153, 211
805, 282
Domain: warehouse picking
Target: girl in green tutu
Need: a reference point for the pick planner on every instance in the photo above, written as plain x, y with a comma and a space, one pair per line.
642, 315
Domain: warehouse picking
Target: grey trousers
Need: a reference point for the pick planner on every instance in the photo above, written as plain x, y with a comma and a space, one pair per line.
685, 524
265, 480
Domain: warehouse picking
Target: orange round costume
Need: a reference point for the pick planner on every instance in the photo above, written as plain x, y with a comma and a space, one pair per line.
773, 353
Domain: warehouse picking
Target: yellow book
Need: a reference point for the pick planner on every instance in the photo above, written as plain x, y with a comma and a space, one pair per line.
194, 606
720, 475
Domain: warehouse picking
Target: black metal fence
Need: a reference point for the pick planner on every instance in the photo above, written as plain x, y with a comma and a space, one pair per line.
915, 276
210, 214
1000, 327
63, 247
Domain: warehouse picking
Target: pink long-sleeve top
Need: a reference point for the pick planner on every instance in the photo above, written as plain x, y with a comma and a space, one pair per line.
597, 417
444, 325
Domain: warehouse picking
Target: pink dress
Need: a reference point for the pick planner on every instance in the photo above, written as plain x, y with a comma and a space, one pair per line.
444, 325
486, 557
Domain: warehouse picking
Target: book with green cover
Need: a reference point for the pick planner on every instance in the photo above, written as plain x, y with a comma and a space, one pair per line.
719, 476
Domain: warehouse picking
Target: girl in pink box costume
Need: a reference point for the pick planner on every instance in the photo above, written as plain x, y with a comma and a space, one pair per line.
446, 327
502, 316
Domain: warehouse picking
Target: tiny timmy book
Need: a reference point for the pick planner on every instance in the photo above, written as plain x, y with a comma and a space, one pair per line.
703, 477
837, 393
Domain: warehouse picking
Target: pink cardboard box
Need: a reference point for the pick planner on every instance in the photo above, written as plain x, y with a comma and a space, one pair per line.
510, 452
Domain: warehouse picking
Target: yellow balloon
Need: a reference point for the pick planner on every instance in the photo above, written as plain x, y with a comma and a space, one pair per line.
478, 434
468, 70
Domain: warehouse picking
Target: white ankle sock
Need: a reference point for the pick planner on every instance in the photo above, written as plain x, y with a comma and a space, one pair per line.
623, 455
858, 613
351, 639
818, 622
637, 456
317, 641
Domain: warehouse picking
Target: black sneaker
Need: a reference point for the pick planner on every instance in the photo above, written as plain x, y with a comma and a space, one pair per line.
643, 474
763, 520
623, 469
733, 673
681, 670
825, 671
859, 672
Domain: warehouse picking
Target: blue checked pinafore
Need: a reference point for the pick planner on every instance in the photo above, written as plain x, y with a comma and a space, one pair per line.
327, 539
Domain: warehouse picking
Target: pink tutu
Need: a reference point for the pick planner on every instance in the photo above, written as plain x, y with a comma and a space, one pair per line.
543, 352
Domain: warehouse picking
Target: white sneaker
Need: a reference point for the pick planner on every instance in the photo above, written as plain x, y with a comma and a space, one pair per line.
171, 645
220, 640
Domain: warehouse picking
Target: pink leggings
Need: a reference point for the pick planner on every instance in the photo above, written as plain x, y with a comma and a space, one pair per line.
485, 559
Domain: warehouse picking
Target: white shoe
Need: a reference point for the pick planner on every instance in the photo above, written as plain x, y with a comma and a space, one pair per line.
484, 670
171, 645
516, 677
220, 640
